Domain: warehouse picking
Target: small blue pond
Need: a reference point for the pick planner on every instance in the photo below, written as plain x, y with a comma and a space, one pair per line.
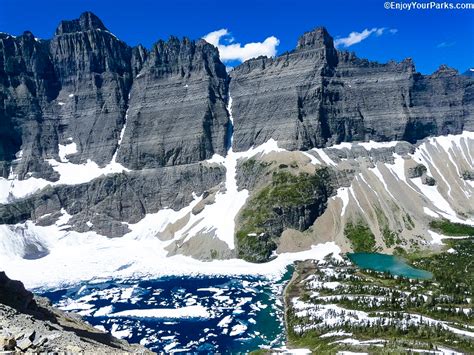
388, 263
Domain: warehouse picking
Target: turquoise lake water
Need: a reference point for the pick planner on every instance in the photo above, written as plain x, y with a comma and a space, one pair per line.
388, 263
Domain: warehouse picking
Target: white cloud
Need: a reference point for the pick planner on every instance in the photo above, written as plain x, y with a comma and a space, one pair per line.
235, 51
379, 31
445, 44
357, 37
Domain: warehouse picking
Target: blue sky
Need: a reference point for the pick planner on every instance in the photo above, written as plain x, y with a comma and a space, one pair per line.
430, 37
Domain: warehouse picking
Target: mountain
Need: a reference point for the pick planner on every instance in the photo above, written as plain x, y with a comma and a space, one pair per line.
102, 140
469, 73
317, 96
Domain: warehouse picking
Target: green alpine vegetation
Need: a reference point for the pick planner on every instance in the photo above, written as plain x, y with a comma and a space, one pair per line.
253, 166
390, 237
361, 237
329, 303
452, 229
454, 270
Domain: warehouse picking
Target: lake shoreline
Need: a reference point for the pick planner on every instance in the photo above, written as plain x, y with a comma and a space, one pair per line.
286, 301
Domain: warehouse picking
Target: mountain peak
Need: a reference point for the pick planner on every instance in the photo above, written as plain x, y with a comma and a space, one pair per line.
86, 22
469, 73
317, 38
445, 70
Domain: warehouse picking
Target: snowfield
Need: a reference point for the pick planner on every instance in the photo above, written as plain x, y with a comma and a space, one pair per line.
76, 257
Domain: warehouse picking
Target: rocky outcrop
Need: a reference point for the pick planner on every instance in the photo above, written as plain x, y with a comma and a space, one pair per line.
30, 324
420, 171
289, 201
14, 294
316, 96
417, 170
468, 175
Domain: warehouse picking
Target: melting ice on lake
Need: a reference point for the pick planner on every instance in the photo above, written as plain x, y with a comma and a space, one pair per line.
210, 314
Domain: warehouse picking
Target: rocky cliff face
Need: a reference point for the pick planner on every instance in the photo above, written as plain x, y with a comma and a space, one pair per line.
70, 90
177, 111
86, 100
76, 89
94, 72
107, 204
316, 96
28, 84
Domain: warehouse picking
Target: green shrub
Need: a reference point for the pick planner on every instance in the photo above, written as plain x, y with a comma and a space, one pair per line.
453, 229
361, 237
389, 237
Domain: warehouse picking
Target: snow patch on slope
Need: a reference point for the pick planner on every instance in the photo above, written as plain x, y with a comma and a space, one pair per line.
69, 174
66, 149
343, 195
122, 133
76, 257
